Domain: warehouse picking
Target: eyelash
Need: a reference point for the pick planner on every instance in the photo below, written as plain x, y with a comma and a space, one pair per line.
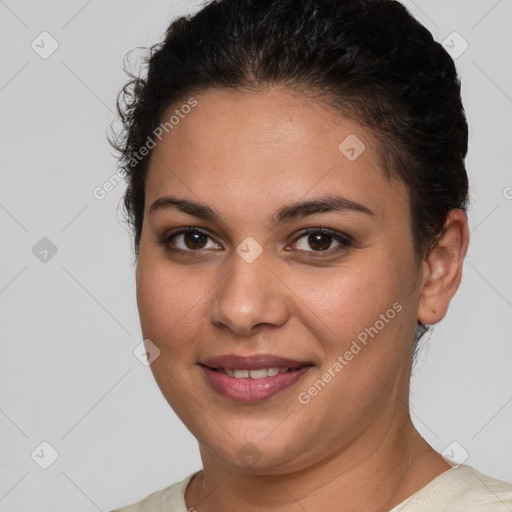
344, 240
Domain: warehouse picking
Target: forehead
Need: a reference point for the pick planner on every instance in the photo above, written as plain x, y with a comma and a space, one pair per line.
262, 148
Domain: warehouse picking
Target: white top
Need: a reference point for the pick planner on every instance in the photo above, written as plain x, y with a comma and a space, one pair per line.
459, 489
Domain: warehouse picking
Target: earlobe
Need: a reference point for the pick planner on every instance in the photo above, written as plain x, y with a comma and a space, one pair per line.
442, 270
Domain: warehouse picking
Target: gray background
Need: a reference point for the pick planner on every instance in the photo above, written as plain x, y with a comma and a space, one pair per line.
69, 323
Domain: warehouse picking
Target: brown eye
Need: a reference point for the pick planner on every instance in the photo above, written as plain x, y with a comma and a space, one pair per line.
190, 240
195, 240
318, 240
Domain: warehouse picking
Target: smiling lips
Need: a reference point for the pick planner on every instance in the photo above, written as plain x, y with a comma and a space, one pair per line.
254, 378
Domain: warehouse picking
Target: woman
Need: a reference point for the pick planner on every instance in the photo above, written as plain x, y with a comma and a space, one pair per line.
297, 190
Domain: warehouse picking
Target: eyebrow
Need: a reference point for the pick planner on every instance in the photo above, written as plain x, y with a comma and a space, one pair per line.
285, 214
196, 209
320, 205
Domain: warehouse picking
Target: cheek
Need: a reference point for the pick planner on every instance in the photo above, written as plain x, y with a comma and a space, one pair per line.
340, 303
171, 301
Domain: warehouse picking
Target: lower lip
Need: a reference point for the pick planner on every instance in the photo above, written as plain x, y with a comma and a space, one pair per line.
252, 390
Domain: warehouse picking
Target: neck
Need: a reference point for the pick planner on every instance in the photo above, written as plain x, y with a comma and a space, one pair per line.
398, 464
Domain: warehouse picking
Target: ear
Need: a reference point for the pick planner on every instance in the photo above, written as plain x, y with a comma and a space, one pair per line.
442, 270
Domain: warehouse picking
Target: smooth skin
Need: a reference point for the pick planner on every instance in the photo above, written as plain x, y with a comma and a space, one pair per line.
245, 156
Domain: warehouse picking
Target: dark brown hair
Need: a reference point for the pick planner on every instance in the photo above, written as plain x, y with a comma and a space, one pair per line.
369, 59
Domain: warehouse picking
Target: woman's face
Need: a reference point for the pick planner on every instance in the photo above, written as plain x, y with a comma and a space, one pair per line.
285, 316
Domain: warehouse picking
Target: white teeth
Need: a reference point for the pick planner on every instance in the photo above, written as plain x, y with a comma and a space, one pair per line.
259, 373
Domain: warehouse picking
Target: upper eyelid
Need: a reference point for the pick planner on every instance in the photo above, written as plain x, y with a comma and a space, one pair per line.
327, 231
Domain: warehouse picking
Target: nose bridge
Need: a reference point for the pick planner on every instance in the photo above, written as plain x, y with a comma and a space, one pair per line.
247, 296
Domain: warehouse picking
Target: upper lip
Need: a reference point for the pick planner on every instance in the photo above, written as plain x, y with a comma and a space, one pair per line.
253, 362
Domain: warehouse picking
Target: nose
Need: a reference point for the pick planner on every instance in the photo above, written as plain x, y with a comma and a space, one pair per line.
248, 297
